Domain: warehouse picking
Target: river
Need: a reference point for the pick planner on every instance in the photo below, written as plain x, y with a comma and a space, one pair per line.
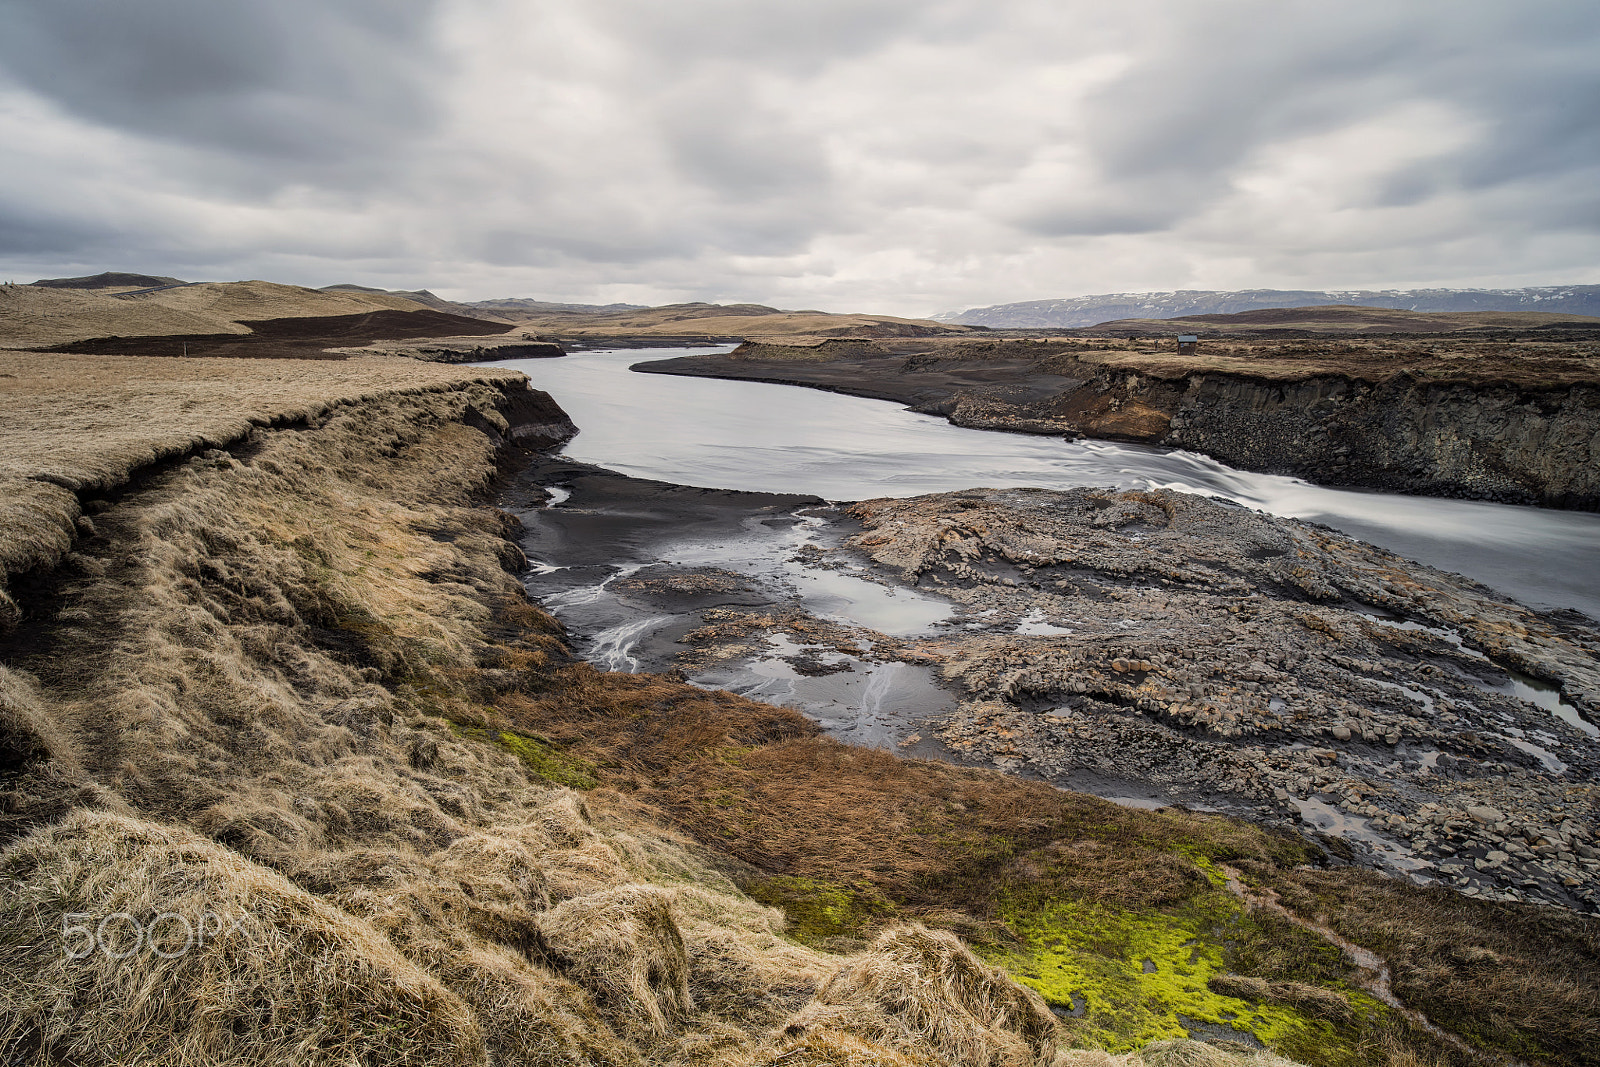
779, 438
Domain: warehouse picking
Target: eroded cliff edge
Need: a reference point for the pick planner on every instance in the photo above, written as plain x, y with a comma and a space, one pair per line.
1505, 421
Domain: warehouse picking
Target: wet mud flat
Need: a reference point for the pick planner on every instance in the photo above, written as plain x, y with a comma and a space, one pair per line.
731, 590
1148, 647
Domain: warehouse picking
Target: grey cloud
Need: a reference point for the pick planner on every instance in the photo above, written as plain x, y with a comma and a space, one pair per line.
26, 235
798, 36
1223, 82
1100, 215
767, 179
294, 78
1208, 92
685, 145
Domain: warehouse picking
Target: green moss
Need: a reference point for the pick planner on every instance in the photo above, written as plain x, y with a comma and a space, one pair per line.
537, 754
1130, 977
818, 911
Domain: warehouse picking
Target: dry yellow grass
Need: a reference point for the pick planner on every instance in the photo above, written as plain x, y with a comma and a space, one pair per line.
1346, 318
32, 317
277, 975
75, 426
1531, 361
237, 693
1172, 1054
924, 995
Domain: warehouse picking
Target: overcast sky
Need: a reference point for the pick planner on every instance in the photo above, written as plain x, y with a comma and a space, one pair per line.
902, 156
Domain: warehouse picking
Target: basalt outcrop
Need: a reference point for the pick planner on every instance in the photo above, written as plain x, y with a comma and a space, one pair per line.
1267, 665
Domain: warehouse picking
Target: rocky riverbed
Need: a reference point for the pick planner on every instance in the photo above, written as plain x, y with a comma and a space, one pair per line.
1305, 677
1158, 647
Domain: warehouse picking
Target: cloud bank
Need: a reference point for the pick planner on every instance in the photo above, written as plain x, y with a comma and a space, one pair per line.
847, 154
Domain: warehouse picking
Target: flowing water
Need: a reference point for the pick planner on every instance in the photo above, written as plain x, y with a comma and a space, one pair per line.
779, 438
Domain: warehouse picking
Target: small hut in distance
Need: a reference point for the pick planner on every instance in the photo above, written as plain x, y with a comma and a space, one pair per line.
1187, 343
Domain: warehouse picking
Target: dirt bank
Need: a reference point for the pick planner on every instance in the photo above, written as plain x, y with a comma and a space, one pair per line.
1511, 421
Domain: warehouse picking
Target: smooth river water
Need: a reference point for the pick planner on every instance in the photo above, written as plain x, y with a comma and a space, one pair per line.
780, 438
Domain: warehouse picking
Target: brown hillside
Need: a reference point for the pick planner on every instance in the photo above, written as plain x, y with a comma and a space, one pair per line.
34, 317
109, 280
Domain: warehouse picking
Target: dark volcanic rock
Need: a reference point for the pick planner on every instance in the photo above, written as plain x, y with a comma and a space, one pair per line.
1495, 442
108, 280
534, 420
294, 338
1272, 667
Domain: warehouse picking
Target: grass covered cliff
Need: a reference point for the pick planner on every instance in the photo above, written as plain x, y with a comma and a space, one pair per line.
292, 771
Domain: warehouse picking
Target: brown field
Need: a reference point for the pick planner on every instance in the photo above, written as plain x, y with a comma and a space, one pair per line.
267, 656
730, 322
72, 426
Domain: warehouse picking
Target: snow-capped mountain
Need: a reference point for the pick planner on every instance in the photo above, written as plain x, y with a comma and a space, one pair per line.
1093, 310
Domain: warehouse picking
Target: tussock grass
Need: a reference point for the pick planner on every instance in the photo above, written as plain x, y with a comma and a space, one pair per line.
1180, 1053
278, 678
278, 975
1518, 978
77, 427
623, 946
850, 841
763, 784
924, 994
40, 773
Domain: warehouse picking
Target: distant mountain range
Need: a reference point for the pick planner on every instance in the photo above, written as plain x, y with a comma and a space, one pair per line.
1081, 311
